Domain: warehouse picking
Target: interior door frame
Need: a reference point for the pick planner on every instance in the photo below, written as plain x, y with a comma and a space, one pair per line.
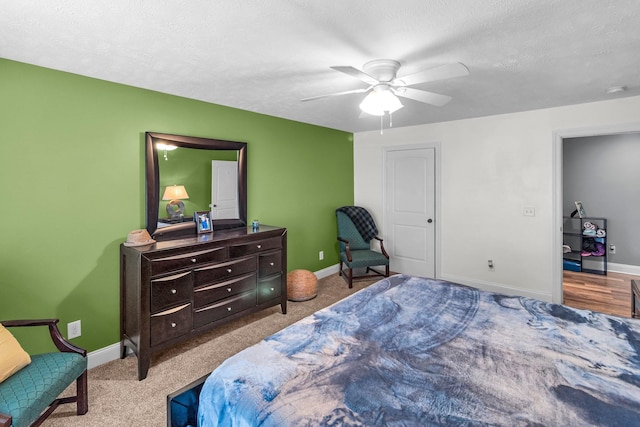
436, 155
557, 181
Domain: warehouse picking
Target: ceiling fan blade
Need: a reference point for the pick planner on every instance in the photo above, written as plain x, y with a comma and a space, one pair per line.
423, 96
354, 72
346, 92
438, 73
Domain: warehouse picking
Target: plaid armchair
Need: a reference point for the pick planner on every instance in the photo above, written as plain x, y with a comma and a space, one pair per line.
356, 229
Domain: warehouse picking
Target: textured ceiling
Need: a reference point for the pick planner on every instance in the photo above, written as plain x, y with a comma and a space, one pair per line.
266, 55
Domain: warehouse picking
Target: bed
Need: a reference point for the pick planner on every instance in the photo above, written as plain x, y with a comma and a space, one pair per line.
409, 351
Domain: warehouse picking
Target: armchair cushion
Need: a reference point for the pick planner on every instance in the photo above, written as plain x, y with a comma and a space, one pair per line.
364, 258
13, 357
40, 383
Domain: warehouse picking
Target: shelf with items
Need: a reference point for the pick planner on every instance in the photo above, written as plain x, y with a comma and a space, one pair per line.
585, 244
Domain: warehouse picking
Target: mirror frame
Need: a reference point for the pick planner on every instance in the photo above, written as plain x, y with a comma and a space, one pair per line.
152, 173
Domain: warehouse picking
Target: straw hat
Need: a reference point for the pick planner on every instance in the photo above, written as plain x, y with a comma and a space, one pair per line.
139, 238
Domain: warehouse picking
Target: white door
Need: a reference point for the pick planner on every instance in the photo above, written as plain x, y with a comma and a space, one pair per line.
410, 210
224, 189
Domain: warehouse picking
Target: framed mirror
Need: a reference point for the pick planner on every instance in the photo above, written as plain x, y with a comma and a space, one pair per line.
186, 174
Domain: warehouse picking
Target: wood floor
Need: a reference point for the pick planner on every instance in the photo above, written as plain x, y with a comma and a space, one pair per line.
609, 294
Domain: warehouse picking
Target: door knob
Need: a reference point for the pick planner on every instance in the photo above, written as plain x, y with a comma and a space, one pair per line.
429, 220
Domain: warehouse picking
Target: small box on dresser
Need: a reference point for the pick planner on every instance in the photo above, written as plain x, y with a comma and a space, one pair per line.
177, 289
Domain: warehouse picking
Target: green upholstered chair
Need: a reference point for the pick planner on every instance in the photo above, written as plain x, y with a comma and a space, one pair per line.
31, 394
355, 251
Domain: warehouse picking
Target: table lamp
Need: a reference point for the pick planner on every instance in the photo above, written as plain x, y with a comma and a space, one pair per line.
175, 207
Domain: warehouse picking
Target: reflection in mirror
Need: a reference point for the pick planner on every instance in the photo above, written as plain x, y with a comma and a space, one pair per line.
210, 179
193, 175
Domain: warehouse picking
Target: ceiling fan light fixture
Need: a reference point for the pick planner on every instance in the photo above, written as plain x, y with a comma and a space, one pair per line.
379, 102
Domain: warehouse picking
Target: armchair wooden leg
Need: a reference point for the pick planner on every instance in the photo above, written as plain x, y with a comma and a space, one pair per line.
340, 272
386, 271
351, 278
82, 393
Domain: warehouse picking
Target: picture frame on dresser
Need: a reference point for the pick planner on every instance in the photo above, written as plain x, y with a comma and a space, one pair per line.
204, 222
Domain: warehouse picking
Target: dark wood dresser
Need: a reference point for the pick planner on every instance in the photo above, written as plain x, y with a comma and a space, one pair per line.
177, 289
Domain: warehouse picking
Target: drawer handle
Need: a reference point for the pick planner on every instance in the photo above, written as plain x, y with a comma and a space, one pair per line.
173, 291
271, 264
228, 308
173, 325
228, 270
228, 289
193, 260
259, 246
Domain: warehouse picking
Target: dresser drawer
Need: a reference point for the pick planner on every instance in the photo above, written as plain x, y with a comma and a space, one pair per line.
205, 315
254, 247
227, 270
269, 288
186, 260
212, 293
170, 291
269, 263
170, 324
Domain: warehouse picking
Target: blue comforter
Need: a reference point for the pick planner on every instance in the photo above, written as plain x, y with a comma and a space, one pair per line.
409, 351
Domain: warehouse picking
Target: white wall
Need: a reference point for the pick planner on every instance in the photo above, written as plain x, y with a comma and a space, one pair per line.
491, 168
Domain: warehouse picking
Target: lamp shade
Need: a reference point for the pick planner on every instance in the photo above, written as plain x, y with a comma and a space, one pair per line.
380, 101
175, 192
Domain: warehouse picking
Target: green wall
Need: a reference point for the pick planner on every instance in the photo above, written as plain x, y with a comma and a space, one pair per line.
72, 174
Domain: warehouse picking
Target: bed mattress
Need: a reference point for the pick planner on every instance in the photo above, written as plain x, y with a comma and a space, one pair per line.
411, 351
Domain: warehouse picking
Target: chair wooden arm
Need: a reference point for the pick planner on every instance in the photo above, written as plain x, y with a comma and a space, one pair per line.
346, 245
382, 247
5, 420
58, 340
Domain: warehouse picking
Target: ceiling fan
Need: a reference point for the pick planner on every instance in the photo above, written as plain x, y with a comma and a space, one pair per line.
385, 87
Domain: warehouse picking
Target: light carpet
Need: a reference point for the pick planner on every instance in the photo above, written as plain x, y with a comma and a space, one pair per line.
117, 398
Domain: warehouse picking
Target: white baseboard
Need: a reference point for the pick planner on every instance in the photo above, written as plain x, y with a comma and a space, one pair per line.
332, 269
103, 355
498, 288
112, 352
623, 268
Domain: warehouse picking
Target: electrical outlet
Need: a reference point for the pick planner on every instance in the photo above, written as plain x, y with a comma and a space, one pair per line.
74, 329
321, 255
490, 264
612, 249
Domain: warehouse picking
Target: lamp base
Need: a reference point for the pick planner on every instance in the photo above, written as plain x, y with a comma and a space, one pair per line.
175, 209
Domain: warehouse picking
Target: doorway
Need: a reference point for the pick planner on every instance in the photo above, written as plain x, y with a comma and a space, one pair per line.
409, 200
561, 206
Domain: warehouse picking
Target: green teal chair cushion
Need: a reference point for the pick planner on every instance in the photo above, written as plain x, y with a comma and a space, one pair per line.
28, 392
364, 258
